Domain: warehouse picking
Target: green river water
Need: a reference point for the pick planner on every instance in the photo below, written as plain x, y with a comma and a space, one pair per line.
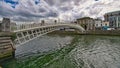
68, 51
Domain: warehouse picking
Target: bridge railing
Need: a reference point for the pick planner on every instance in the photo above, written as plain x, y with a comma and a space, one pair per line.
33, 25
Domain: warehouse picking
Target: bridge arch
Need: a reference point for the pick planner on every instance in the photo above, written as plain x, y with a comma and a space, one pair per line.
75, 26
27, 34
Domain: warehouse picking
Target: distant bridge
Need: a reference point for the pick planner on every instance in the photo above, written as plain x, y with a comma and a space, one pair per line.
27, 32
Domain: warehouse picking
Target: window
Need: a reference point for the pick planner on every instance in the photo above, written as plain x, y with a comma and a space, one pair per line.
111, 15
105, 24
96, 24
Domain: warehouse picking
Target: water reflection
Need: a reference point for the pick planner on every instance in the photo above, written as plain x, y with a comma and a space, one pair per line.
42, 44
97, 52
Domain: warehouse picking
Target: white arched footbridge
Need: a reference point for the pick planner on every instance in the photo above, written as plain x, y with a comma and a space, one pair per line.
27, 32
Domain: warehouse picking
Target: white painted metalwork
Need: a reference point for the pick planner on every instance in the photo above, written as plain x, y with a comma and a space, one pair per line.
28, 32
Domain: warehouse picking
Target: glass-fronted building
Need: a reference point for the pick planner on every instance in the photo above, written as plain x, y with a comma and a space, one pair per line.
113, 18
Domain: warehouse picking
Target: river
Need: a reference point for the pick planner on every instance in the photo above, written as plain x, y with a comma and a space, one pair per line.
68, 51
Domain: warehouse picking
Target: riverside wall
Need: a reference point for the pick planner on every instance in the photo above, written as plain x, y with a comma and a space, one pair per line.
103, 32
97, 32
7, 49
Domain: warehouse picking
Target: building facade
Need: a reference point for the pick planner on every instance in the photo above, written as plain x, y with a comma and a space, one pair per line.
113, 18
98, 23
86, 22
13, 25
0, 26
5, 25
105, 23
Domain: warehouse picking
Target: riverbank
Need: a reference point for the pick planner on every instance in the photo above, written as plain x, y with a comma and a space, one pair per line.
7, 48
98, 32
103, 32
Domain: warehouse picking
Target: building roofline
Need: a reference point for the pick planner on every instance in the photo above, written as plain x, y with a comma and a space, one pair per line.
98, 19
112, 12
84, 18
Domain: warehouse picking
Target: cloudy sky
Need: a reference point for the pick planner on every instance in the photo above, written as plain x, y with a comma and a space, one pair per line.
32, 10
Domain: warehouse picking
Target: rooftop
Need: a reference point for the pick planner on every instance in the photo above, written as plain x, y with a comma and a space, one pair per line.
98, 19
113, 12
84, 18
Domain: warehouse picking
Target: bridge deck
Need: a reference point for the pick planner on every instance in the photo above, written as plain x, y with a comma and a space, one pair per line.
26, 33
44, 26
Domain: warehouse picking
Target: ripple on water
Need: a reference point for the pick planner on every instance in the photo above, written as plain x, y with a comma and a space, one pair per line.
42, 45
90, 52
101, 53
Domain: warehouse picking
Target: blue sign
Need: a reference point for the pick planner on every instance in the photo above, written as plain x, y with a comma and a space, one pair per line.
105, 27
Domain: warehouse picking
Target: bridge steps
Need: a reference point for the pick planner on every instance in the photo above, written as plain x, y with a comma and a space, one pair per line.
2, 38
6, 47
4, 41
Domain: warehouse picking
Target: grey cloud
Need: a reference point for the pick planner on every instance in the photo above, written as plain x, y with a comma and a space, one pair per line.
42, 10
25, 19
79, 15
27, 10
50, 2
65, 8
56, 2
6, 11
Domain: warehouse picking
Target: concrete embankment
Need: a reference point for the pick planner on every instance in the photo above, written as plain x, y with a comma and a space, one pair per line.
97, 32
7, 48
103, 32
